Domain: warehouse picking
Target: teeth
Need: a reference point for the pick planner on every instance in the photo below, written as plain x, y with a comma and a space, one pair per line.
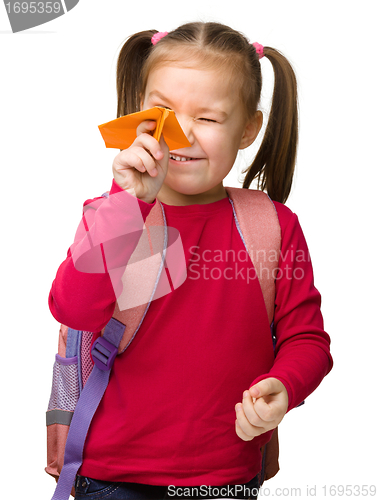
179, 158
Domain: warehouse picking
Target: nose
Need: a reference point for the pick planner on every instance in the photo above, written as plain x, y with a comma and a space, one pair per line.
186, 123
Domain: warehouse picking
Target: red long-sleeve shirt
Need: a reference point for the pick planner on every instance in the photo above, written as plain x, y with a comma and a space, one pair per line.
168, 414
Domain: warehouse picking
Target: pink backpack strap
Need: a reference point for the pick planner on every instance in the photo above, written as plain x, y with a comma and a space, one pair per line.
142, 276
62, 340
261, 233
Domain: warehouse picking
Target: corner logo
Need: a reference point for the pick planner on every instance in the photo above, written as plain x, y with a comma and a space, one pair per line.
28, 14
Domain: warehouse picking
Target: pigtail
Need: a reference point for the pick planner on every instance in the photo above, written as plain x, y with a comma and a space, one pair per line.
129, 68
274, 163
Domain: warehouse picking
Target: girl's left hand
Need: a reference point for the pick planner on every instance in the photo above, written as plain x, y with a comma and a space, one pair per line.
264, 406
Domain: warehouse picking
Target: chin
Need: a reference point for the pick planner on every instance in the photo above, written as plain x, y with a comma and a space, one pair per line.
187, 188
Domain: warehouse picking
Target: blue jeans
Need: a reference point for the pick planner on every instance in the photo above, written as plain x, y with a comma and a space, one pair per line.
93, 489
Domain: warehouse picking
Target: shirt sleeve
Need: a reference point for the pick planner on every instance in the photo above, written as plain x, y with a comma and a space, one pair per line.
83, 295
302, 352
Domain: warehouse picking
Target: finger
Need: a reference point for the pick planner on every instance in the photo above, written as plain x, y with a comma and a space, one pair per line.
250, 412
145, 127
272, 408
150, 144
272, 400
141, 160
244, 424
240, 433
264, 387
163, 144
267, 412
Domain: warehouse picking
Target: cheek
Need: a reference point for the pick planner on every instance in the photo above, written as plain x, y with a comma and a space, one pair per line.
215, 141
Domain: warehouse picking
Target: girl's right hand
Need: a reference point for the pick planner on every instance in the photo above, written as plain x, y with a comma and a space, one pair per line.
141, 168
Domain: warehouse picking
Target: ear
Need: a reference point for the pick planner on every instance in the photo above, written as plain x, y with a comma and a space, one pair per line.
251, 130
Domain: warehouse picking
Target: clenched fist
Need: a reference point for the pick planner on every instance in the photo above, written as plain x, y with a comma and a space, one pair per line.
263, 407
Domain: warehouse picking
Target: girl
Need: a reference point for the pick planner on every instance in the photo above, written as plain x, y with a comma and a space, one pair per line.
197, 394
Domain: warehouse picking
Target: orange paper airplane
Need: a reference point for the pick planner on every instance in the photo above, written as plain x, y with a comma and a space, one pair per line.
121, 133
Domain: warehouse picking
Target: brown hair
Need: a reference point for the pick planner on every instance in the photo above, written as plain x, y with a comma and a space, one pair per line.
216, 45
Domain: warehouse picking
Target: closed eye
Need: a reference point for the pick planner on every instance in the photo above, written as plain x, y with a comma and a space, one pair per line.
207, 120
161, 106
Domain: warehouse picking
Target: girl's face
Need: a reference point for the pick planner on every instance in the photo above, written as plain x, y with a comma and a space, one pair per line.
210, 113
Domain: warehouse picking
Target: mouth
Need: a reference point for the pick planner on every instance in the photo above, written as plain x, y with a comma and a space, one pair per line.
181, 158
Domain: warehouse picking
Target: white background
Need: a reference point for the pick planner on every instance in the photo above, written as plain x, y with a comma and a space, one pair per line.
58, 83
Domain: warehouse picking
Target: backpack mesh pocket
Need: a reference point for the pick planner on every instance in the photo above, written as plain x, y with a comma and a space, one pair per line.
85, 356
65, 385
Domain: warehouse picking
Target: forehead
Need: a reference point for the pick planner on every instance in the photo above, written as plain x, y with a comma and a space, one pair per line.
189, 82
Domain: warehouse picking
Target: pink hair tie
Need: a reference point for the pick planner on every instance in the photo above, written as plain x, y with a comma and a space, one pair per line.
158, 36
259, 49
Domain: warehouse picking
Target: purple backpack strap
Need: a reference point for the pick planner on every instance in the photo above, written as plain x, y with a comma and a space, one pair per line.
104, 351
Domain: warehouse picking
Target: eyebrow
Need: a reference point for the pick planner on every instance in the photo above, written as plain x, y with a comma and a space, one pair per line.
204, 109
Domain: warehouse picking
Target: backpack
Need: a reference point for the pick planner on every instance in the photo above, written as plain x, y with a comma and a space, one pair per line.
79, 383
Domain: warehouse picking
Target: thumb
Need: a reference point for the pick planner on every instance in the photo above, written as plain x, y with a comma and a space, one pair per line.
162, 141
265, 387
